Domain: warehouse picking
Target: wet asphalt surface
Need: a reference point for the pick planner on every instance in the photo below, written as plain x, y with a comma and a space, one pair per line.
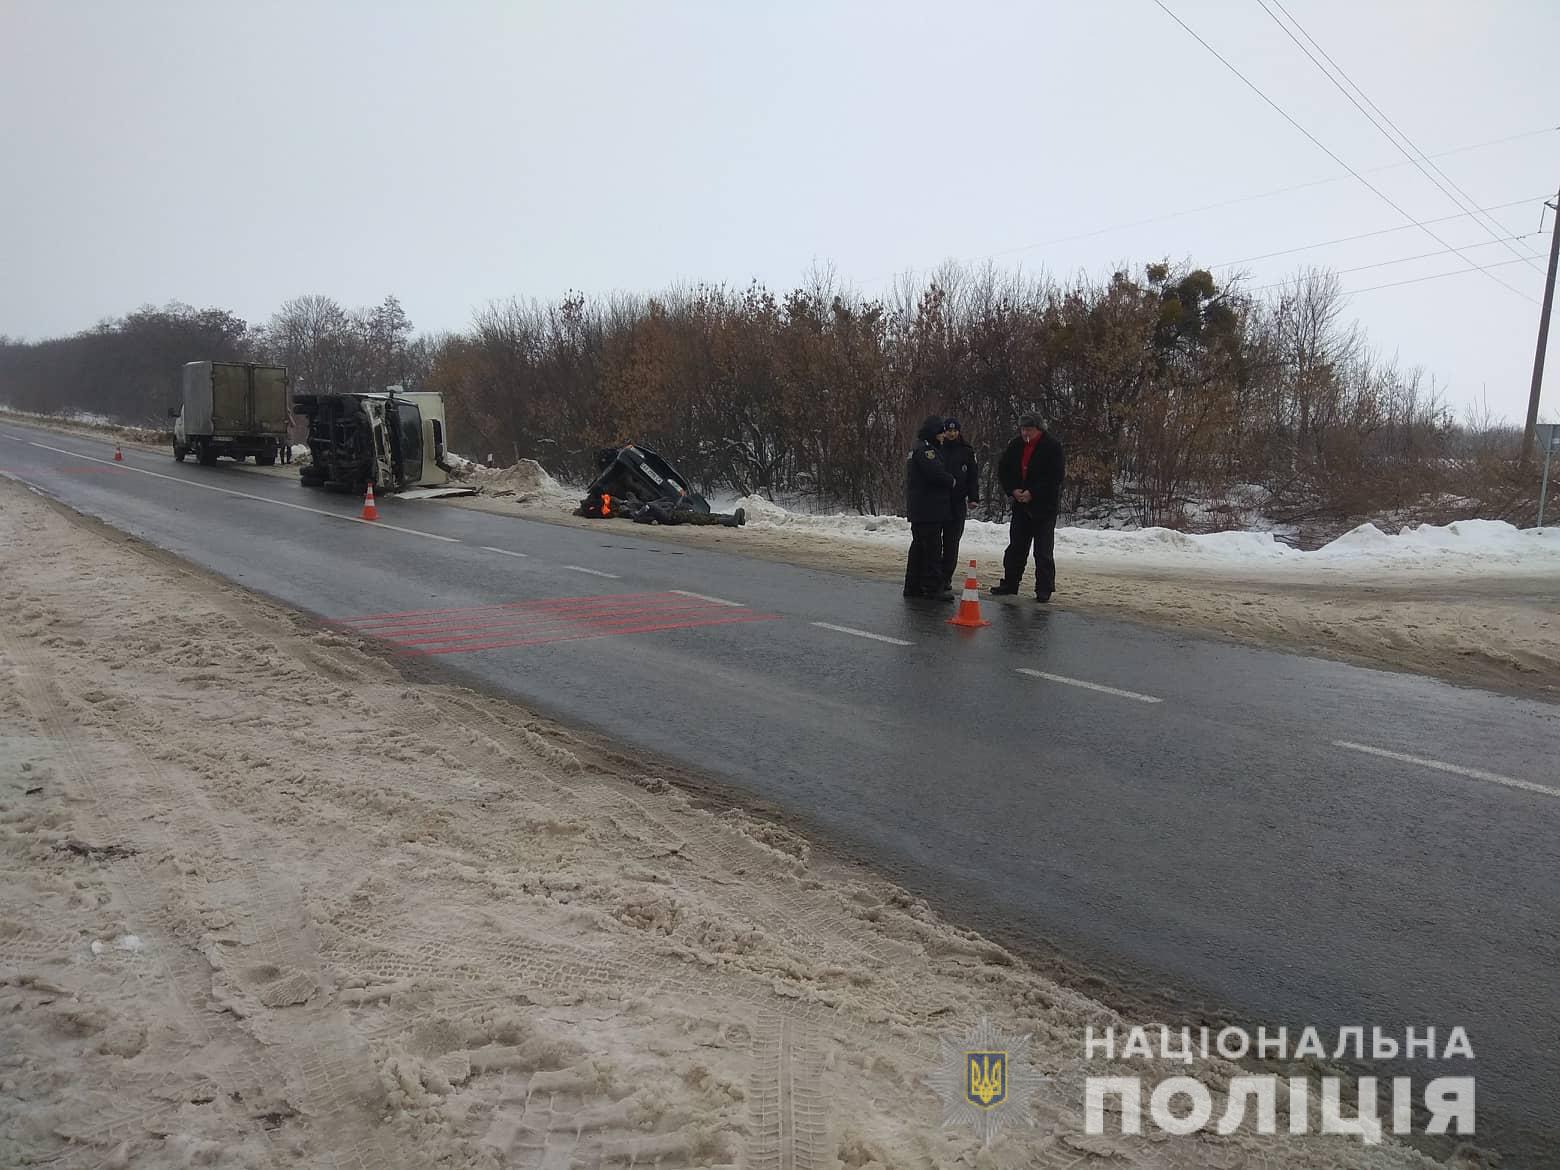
1215, 847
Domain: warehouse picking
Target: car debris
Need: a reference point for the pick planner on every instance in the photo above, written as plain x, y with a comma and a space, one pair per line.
635, 483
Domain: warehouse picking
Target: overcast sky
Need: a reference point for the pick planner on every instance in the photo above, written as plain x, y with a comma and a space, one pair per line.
237, 154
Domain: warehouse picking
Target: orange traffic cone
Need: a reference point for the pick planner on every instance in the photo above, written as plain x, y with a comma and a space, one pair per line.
118, 455
969, 605
370, 512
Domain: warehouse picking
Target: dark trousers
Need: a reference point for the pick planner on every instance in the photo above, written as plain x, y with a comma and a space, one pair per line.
924, 563
950, 546
1023, 530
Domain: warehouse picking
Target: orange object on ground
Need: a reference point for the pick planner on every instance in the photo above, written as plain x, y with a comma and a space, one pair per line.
370, 511
969, 605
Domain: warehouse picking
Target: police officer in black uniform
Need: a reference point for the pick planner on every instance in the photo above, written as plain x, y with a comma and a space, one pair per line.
959, 457
929, 508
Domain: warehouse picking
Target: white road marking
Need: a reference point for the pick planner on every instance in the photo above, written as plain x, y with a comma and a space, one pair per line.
211, 487
862, 634
1455, 769
502, 551
706, 597
592, 572
1078, 682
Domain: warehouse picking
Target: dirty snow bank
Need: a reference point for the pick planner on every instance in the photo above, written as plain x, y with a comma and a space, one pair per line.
524, 482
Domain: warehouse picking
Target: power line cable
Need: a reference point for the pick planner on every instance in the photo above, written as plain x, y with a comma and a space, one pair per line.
1495, 224
1381, 232
1462, 200
1383, 196
1169, 215
1421, 279
1399, 260
1396, 283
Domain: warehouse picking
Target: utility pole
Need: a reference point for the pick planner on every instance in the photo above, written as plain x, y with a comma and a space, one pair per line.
1530, 431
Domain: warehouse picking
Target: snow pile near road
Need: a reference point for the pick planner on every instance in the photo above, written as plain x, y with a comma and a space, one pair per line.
460, 466
1464, 546
526, 481
1462, 542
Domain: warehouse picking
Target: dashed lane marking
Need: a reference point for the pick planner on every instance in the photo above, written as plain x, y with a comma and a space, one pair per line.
1454, 769
592, 572
502, 551
211, 487
705, 597
1078, 682
862, 633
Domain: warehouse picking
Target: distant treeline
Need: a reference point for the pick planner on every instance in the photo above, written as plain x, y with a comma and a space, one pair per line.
1165, 386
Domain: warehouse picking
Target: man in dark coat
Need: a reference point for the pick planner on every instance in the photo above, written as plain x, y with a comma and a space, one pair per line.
959, 457
929, 508
1030, 474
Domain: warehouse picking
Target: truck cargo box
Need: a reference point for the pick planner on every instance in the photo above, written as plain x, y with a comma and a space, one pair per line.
235, 400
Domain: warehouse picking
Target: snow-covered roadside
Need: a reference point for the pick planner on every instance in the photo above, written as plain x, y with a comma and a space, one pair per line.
93, 425
1465, 547
399, 926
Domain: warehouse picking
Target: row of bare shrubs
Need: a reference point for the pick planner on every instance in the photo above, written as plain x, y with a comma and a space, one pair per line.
1182, 402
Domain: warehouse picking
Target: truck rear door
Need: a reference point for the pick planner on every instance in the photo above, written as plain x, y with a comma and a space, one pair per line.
270, 400
230, 402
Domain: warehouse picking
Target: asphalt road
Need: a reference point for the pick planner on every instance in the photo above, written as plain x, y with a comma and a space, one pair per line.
1297, 841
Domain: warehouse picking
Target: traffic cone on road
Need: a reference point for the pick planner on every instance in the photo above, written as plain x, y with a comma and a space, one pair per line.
969, 605
118, 455
370, 512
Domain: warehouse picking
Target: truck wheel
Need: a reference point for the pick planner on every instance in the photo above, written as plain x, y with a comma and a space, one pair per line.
179, 453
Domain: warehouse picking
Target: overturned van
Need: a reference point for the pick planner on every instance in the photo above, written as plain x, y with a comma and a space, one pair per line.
395, 441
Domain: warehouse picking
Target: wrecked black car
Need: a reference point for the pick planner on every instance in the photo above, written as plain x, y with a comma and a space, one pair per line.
635, 483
